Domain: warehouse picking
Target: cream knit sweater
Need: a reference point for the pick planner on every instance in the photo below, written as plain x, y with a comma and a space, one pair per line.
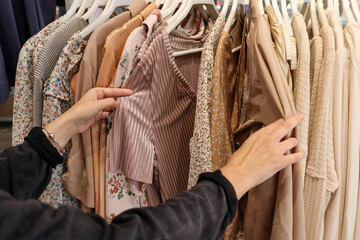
320, 177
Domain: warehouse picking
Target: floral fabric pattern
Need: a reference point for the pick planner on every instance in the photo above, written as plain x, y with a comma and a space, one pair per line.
118, 196
23, 94
58, 98
200, 143
133, 45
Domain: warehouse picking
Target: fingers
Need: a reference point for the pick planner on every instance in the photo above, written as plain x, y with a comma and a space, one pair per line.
284, 128
112, 92
287, 145
295, 157
107, 103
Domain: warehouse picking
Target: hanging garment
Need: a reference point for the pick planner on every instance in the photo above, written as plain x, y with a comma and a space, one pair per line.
224, 111
277, 34
352, 38
47, 60
156, 122
118, 196
200, 145
58, 99
4, 84
78, 180
301, 94
320, 179
270, 98
23, 94
9, 40
112, 50
133, 45
333, 212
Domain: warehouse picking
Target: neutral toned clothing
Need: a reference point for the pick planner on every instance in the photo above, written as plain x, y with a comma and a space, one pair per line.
321, 179
133, 45
224, 110
152, 128
24, 82
114, 45
301, 91
112, 50
273, 210
200, 142
118, 196
333, 212
277, 33
78, 180
350, 217
47, 60
58, 98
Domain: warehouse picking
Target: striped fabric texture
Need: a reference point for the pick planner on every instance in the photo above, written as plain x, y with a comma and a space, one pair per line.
47, 60
152, 128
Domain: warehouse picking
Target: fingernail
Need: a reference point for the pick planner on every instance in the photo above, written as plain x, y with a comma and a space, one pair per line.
301, 116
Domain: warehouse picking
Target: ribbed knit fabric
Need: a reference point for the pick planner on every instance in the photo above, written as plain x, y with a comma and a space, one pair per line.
321, 179
47, 60
350, 224
200, 146
152, 128
334, 211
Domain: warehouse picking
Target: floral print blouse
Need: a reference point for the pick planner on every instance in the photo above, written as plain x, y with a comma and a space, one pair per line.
200, 143
119, 198
23, 94
58, 98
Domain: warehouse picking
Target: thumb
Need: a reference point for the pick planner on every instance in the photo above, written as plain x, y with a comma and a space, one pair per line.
107, 103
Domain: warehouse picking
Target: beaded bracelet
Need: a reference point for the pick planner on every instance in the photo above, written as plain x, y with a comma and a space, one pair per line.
52, 136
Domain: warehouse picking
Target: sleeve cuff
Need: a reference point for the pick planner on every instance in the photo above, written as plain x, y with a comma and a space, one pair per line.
229, 190
41, 144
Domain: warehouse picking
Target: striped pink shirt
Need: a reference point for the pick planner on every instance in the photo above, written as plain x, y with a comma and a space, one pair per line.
152, 128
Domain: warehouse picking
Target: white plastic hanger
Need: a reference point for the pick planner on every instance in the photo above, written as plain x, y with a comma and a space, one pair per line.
294, 8
159, 2
347, 11
280, 18
109, 9
231, 16
337, 6
286, 17
322, 15
166, 4
185, 8
314, 20
261, 6
84, 5
96, 4
72, 10
330, 4
225, 7
355, 9
165, 12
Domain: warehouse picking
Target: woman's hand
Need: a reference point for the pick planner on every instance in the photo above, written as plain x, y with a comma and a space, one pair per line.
94, 105
262, 155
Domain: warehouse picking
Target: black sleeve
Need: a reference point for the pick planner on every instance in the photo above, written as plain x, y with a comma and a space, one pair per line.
200, 213
25, 170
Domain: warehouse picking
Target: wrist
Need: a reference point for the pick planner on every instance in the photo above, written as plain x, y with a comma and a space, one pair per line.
63, 129
239, 181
